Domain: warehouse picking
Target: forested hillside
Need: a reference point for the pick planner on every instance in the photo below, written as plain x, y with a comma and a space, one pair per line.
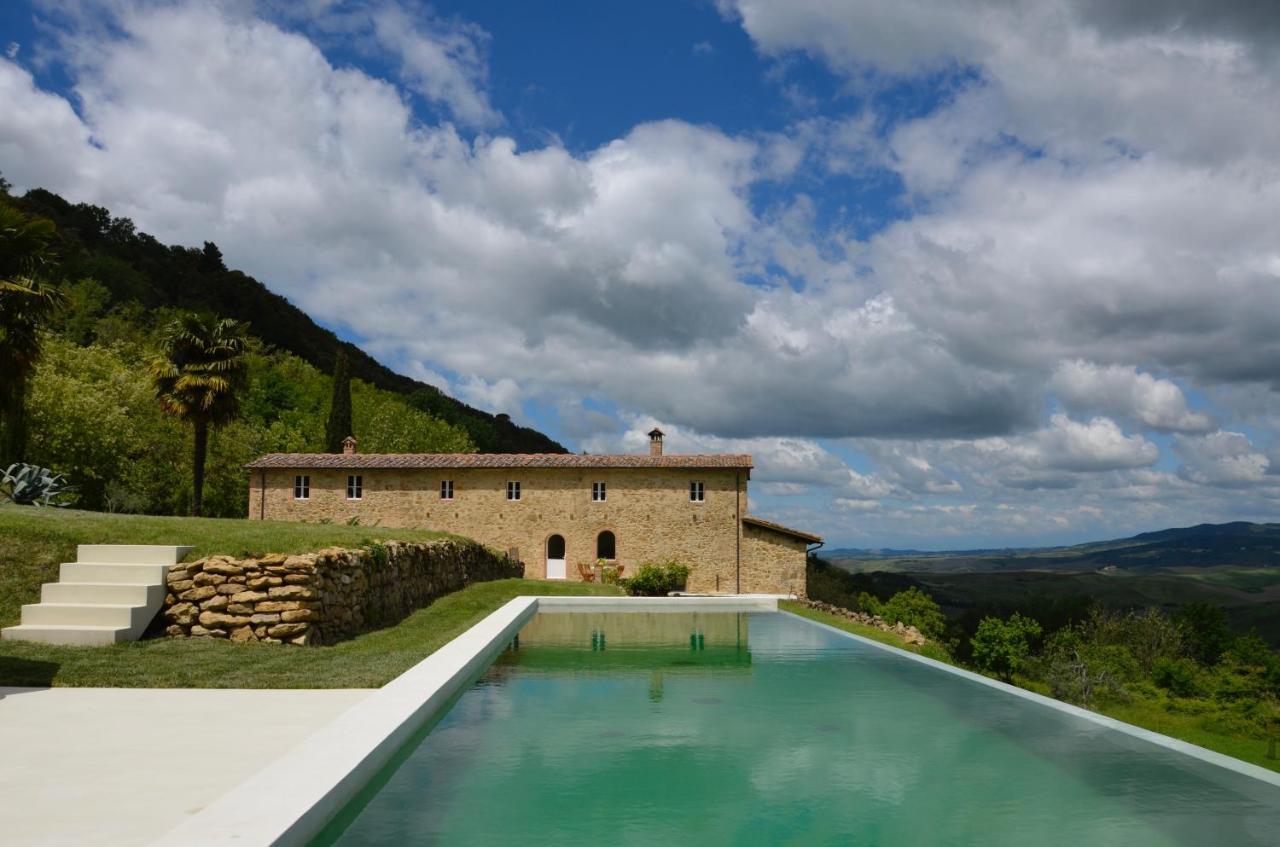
136, 275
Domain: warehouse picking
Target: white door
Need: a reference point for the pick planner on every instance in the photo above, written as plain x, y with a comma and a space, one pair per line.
555, 557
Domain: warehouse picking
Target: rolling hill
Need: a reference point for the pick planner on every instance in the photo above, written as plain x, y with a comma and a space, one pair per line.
1238, 544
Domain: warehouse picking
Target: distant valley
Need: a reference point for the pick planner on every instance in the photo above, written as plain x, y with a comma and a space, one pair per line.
1238, 544
1232, 565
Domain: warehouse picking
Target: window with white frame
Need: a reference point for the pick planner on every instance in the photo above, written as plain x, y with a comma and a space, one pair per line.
355, 487
513, 491
446, 489
696, 492
302, 487
597, 492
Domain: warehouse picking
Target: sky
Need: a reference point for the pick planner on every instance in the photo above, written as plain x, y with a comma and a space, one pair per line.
983, 273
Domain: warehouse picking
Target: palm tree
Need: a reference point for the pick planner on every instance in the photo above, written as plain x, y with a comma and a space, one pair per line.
26, 300
198, 377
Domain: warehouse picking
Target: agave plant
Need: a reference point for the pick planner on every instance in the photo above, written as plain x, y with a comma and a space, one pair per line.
32, 485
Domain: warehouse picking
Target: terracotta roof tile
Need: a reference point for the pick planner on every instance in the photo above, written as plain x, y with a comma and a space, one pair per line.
777, 527
408, 461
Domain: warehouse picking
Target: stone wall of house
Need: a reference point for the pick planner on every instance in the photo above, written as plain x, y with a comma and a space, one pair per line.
648, 510
772, 562
322, 597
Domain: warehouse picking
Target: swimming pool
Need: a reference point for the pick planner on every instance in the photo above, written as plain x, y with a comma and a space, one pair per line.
673, 727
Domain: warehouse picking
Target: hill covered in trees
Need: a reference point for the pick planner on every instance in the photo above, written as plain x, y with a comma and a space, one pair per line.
136, 275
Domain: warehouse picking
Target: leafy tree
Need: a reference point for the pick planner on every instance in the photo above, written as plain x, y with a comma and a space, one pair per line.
338, 426
1083, 671
388, 424
211, 259
915, 608
1002, 646
198, 379
26, 302
1204, 630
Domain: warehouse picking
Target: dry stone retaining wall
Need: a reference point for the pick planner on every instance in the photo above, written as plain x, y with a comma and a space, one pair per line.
909, 634
322, 597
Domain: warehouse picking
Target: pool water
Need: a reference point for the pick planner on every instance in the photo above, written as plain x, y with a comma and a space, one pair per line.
742, 729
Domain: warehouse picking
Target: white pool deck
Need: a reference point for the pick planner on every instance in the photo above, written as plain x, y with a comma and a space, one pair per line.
123, 766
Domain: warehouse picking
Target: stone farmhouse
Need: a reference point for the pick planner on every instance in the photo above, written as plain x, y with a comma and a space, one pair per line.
554, 512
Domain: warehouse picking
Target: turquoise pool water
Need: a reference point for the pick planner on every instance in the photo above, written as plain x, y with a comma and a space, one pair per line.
726, 729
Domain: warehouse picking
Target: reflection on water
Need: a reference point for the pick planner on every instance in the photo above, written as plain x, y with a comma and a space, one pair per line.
643, 642
764, 729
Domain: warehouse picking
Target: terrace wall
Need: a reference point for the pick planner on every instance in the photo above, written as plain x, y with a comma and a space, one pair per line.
322, 597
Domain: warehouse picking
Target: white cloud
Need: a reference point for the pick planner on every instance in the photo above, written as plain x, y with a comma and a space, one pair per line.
443, 62
1125, 391
1226, 459
1090, 202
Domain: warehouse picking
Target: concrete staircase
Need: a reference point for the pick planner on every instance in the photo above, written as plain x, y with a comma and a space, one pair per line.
109, 595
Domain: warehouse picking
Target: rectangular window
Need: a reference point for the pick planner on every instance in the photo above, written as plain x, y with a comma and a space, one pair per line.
302, 487
696, 493
446, 489
355, 487
597, 492
513, 491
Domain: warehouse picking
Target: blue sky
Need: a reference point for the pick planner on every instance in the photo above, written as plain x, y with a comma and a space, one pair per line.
984, 274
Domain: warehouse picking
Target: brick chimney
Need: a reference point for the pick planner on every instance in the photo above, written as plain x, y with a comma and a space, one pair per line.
349, 445
655, 442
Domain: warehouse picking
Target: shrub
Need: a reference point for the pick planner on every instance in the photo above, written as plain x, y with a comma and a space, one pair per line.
914, 608
1002, 646
1083, 671
1180, 676
1204, 630
657, 579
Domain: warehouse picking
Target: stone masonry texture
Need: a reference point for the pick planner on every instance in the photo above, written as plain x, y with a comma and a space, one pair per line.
322, 597
648, 510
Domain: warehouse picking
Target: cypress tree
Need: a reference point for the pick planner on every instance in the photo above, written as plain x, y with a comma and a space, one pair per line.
338, 426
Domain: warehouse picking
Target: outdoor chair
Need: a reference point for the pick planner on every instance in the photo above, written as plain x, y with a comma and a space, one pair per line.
586, 573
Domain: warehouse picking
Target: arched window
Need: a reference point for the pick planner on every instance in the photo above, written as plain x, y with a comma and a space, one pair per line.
555, 547
606, 546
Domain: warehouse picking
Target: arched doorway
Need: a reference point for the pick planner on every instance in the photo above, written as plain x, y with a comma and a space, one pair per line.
555, 557
606, 545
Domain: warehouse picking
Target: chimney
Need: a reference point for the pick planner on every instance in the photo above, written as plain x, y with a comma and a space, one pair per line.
349, 445
655, 442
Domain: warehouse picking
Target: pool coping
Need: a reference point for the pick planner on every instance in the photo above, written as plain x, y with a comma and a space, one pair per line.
1185, 747
291, 800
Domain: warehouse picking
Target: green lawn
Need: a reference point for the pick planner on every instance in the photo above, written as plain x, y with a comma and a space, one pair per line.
34, 541
367, 661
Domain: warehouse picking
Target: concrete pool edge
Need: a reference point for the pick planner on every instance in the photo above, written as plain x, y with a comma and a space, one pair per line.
1220, 759
291, 800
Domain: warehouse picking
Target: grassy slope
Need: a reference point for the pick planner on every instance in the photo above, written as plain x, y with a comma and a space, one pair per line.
34, 541
367, 661
931, 650
1154, 713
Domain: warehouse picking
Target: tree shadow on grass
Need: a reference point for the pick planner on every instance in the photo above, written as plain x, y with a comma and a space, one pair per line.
34, 673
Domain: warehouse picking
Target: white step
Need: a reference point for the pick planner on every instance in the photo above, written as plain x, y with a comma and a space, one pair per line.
83, 614
109, 595
126, 593
89, 571
87, 636
132, 554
